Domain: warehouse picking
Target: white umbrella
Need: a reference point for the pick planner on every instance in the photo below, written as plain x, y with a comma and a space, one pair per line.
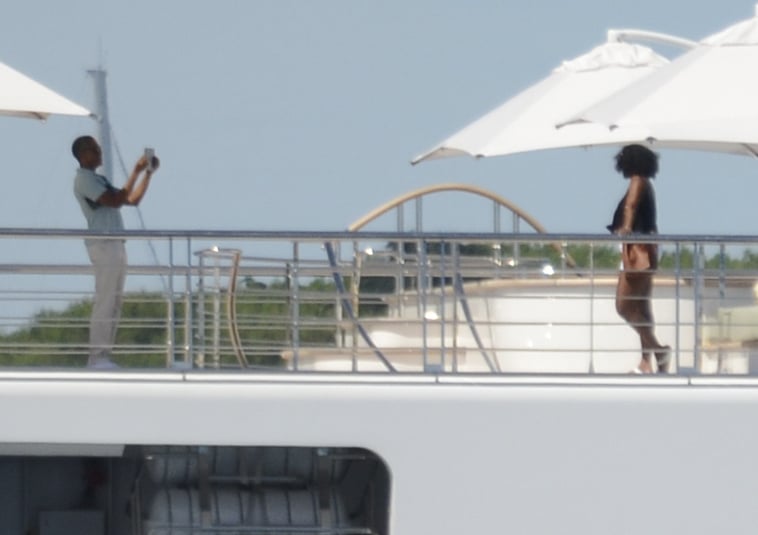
527, 121
21, 96
706, 99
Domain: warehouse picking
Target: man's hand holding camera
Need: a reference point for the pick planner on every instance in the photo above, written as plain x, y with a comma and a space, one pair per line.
148, 162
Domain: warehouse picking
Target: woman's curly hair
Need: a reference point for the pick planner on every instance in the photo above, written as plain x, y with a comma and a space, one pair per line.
637, 160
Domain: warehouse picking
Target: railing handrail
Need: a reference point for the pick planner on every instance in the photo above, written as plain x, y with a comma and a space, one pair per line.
320, 236
393, 291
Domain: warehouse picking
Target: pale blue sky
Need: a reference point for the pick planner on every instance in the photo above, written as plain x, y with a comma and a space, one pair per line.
287, 114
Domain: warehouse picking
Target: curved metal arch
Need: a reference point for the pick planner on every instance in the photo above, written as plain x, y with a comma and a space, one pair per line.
436, 188
461, 294
397, 201
400, 200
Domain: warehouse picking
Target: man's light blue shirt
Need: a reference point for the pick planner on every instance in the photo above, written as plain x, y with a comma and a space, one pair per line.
88, 187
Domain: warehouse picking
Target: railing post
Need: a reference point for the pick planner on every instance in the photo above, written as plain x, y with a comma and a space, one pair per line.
338, 312
423, 278
442, 317
699, 266
678, 309
295, 304
216, 313
188, 331
399, 274
516, 244
456, 299
201, 349
355, 300
592, 302
171, 334
722, 275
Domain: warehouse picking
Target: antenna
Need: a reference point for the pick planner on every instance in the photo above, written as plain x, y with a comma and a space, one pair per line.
107, 145
103, 120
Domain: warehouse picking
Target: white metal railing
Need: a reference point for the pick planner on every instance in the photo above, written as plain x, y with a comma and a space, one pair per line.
379, 302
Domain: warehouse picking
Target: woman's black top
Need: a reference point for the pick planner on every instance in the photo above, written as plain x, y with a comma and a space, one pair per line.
644, 217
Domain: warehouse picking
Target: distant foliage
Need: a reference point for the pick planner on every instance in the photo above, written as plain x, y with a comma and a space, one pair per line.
264, 313
711, 260
597, 256
60, 338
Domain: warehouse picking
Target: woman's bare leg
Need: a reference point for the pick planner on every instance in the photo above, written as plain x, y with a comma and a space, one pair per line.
633, 304
647, 333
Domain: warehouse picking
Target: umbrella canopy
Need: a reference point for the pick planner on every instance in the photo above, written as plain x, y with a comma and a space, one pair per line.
528, 121
21, 96
704, 99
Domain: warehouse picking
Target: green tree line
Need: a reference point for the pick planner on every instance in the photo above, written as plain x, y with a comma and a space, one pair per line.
264, 319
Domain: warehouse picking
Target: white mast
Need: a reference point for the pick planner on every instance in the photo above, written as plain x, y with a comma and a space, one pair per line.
103, 121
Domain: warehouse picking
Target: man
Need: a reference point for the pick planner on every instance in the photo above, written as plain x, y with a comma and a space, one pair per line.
101, 203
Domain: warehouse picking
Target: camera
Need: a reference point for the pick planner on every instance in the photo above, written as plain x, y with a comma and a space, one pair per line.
150, 158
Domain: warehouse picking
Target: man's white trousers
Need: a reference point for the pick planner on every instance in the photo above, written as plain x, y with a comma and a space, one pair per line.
108, 259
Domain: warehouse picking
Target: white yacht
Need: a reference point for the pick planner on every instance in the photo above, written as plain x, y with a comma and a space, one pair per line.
366, 382
378, 382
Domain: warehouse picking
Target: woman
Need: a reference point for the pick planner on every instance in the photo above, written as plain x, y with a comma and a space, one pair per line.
636, 214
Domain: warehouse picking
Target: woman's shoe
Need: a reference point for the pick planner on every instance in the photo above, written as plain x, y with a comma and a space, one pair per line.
663, 359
